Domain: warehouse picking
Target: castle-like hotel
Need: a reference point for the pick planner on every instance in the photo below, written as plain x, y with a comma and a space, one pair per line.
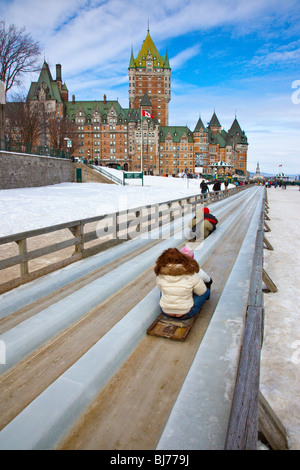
125, 137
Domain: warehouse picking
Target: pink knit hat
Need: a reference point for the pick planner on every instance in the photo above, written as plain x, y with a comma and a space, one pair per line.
186, 250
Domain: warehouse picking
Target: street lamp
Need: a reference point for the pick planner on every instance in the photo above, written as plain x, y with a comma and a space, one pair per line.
68, 142
2, 110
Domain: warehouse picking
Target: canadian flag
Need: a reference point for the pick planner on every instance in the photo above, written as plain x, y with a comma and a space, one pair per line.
145, 113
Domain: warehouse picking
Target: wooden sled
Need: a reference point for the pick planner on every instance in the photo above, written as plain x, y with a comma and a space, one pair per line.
171, 328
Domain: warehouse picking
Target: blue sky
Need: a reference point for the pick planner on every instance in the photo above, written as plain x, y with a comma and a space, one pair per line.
235, 57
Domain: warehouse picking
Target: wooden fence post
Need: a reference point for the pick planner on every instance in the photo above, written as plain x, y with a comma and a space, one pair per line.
78, 232
22, 251
270, 426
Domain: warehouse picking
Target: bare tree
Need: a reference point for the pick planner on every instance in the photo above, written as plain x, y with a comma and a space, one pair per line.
60, 129
24, 122
19, 54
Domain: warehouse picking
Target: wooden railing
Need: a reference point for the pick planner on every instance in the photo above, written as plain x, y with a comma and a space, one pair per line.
250, 411
243, 425
87, 237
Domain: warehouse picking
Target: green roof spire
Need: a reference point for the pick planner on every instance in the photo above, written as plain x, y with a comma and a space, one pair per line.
147, 48
132, 62
214, 122
167, 63
236, 132
199, 125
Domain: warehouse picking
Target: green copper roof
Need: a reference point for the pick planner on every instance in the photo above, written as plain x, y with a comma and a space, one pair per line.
236, 132
167, 63
176, 133
214, 122
200, 126
88, 108
45, 81
146, 101
132, 62
218, 138
149, 46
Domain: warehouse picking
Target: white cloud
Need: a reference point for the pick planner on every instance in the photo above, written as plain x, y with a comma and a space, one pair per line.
183, 57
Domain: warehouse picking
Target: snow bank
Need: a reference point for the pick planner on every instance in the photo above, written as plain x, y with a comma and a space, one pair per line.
31, 208
280, 363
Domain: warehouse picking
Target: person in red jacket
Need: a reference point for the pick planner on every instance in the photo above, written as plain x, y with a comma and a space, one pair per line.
210, 217
202, 224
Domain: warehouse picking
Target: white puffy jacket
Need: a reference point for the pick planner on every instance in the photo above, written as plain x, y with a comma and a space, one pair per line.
177, 287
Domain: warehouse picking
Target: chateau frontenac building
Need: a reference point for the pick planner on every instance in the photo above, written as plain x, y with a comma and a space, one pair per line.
125, 137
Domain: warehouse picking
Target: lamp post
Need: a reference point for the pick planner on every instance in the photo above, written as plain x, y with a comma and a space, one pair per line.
68, 143
2, 112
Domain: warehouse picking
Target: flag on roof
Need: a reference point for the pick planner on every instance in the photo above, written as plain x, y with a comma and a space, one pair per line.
145, 113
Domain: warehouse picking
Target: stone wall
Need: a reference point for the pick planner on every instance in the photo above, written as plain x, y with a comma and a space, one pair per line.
19, 170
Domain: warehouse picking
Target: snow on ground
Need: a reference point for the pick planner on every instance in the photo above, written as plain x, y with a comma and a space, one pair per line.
30, 208
280, 359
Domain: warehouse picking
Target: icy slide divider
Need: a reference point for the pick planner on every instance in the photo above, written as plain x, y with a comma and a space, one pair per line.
28, 293
44, 422
28, 335
204, 402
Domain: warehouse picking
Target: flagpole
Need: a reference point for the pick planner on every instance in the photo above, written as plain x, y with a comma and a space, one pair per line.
141, 140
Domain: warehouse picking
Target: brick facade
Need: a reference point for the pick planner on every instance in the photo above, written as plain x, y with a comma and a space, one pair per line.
117, 136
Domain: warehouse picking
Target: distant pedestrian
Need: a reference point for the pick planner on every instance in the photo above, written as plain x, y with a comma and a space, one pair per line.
217, 186
204, 188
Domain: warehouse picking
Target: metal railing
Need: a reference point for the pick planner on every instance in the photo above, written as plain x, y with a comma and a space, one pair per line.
107, 174
10, 145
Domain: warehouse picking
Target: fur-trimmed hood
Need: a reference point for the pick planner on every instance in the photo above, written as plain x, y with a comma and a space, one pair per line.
175, 270
177, 284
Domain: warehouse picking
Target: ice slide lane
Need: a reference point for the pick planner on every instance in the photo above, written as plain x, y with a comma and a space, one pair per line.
21, 384
147, 384
204, 402
80, 382
24, 382
31, 333
26, 294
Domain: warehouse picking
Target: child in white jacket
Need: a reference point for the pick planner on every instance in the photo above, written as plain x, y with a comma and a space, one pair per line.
183, 290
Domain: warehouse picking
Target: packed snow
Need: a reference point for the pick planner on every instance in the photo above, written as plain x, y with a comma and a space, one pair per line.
280, 359
30, 208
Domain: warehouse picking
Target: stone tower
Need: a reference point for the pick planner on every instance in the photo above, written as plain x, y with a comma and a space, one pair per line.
150, 79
